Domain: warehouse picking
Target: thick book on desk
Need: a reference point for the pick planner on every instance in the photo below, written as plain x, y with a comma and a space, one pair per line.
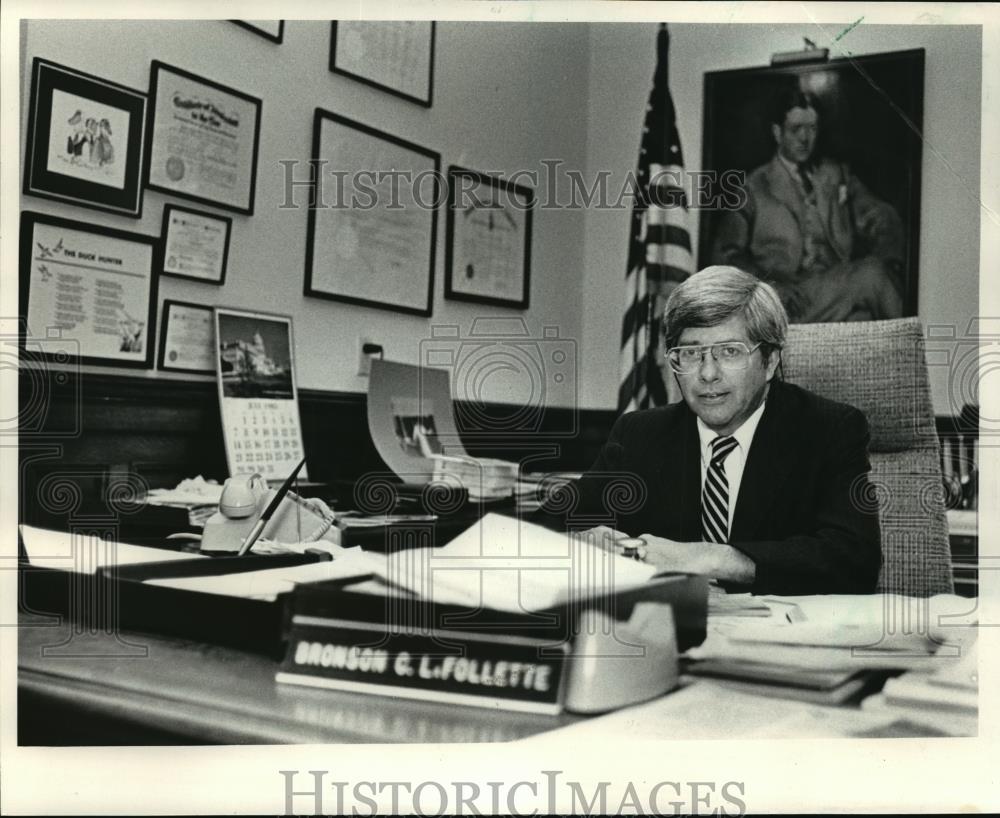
394, 644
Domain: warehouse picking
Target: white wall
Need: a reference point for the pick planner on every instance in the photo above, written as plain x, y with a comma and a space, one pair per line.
504, 97
621, 68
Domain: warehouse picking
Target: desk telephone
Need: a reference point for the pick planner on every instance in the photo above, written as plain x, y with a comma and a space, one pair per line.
244, 498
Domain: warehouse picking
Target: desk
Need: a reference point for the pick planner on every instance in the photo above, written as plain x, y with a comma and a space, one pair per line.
185, 692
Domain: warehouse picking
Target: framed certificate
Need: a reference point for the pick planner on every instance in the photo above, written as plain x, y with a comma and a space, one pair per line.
371, 237
488, 255
85, 140
203, 140
393, 55
89, 291
195, 244
273, 30
187, 338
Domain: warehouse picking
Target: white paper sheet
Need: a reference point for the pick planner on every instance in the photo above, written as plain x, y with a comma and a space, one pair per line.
268, 583
509, 565
84, 554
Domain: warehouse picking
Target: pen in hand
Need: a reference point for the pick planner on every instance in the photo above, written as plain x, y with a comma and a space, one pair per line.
279, 495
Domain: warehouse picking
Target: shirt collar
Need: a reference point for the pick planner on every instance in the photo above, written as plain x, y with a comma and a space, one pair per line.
744, 434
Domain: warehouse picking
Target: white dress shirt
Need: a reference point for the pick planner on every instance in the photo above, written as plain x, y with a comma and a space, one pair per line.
737, 458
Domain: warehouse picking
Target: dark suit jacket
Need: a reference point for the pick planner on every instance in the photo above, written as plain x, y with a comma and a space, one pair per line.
804, 513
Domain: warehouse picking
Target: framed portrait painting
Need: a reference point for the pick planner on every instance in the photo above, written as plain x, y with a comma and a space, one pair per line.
813, 182
85, 140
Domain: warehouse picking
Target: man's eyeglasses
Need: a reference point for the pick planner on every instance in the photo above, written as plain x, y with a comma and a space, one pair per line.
731, 356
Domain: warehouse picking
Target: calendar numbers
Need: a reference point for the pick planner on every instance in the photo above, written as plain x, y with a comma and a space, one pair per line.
263, 436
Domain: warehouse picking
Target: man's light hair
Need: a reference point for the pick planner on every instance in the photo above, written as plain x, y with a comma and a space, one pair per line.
711, 296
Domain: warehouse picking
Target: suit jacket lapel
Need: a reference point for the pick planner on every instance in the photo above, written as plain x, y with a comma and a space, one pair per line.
679, 472
769, 461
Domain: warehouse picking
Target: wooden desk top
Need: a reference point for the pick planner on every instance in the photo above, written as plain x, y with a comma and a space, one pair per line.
207, 693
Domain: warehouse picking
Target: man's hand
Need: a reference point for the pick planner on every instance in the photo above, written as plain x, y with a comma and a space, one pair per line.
716, 560
602, 536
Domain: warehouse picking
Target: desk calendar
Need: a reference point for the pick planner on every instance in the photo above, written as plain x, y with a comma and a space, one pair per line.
259, 403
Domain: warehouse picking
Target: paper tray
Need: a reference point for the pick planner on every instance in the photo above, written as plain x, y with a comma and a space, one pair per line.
120, 598
686, 594
254, 625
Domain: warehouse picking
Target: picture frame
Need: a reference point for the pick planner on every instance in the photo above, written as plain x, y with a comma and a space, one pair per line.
371, 238
203, 139
85, 143
488, 249
273, 30
187, 338
87, 293
862, 164
396, 56
194, 244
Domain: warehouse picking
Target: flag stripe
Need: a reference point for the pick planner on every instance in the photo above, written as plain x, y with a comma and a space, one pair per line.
674, 234
659, 252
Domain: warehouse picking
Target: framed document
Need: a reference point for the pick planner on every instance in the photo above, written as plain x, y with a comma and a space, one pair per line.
260, 410
273, 30
203, 140
89, 292
488, 255
85, 140
195, 244
187, 338
395, 56
371, 236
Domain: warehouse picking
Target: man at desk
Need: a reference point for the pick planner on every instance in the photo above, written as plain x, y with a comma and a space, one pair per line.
749, 479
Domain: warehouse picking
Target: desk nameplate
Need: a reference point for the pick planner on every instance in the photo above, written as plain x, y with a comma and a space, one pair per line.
477, 669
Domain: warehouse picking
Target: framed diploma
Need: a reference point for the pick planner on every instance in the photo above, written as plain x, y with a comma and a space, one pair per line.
394, 56
488, 252
89, 291
371, 236
195, 244
187, 338
273, 30
260, 410
85, 140
203, 140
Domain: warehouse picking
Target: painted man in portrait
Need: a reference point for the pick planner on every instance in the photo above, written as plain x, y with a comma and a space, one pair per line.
832, 249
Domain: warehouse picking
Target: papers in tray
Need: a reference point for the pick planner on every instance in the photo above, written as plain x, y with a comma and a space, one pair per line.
191, 492
507, 564
84, 554
268, 583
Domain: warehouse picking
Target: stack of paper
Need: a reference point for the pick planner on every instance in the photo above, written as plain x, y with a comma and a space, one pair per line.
267, 583
485, 478
821, 647
946, 697
191, 492
85, 553
506, 564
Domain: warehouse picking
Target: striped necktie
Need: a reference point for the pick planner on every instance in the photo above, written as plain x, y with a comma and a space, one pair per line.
715, 495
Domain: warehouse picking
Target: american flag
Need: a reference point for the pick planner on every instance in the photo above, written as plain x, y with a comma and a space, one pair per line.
659, 248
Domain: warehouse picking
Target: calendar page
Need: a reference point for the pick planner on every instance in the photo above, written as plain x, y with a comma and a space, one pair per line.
260, 409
